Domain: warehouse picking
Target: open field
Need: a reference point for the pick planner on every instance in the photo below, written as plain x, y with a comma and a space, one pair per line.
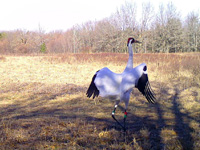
43, 103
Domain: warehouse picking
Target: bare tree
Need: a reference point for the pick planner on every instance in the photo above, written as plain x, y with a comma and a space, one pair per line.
125, 17
192, 32
146, 19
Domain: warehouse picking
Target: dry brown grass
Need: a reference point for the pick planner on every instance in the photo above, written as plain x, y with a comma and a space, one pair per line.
43, 103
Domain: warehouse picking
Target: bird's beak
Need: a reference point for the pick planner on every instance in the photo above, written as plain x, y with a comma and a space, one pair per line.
137, 41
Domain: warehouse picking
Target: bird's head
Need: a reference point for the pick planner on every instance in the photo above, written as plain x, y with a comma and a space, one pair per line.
132, 40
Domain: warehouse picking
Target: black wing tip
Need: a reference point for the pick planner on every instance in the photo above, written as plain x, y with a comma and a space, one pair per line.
145, 88
92, 90
149, 94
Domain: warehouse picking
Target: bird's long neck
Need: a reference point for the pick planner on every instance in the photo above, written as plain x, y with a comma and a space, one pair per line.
130, 59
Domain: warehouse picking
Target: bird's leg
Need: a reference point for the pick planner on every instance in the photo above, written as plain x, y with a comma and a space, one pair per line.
113, 112
113, 115
125, 115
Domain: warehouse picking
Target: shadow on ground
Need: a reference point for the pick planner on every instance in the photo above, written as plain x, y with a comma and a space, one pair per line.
151, 118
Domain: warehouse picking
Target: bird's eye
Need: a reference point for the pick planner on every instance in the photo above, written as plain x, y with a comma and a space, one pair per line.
145, 68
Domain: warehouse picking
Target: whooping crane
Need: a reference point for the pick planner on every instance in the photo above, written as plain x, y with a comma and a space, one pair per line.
119, 86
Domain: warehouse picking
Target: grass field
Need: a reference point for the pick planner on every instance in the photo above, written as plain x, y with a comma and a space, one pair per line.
43, 103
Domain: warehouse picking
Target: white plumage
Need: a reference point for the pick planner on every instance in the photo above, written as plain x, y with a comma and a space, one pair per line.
111, 84
119, 86
108, 83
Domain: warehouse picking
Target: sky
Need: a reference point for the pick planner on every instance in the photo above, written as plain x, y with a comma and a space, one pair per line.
51, 15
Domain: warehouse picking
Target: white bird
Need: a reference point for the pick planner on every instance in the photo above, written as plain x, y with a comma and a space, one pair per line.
119, 86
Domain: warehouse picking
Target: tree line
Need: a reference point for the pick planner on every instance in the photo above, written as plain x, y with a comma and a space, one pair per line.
163, 31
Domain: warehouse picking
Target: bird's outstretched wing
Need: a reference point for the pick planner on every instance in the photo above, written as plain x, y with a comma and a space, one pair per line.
92, 90
145, 88
105, 83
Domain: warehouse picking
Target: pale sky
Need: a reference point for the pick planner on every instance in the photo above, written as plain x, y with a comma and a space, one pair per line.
53, 15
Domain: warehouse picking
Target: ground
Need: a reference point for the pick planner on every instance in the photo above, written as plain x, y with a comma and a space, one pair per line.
43, 104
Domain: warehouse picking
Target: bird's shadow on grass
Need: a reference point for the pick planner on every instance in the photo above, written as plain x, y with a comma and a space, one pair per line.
180, 123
